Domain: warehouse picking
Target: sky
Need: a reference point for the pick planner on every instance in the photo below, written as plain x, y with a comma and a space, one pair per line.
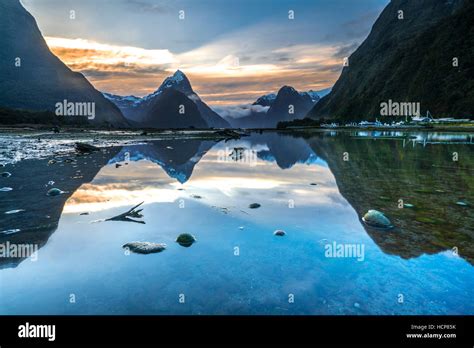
232, 51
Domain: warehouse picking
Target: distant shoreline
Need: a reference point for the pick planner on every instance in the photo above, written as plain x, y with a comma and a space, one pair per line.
214, 132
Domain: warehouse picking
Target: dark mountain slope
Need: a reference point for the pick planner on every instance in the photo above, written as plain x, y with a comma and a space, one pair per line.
279, 108
409, 60
164, 112
41, 80
289, 97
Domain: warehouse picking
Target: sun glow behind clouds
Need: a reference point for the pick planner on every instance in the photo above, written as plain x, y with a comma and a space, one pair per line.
220, 71
101, 53
232, 54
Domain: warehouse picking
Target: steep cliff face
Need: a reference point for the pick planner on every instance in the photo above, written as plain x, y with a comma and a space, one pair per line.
409, 60
173, 110
33, 78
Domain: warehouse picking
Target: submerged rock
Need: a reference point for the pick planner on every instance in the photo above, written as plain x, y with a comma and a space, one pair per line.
375, 218
145, 247
185, 240
462, 204
254, 206
5, 175
279, 233
54, 192
83, 147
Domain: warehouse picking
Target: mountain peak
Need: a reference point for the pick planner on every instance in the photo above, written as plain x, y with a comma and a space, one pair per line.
287, 89
178, 81
179, 74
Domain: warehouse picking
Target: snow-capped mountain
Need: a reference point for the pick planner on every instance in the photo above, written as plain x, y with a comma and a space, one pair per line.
277, 104
136, 109
323, 92
290, 104
268, 99
129, 105
312, 94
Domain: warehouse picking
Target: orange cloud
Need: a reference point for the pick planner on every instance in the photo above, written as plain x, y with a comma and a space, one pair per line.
218, 80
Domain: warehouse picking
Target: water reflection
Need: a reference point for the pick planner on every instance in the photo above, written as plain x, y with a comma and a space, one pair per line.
39, 214
385, 174
305, 185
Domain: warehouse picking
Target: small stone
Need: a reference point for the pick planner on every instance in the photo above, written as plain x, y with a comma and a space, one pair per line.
375, 218
5, 189
5, 175
356, 305
254, 206
54, 192
279, 233
185, 240
145, 247
117, 165
313, 184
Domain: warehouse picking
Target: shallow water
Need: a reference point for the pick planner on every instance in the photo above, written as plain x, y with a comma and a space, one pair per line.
305, 185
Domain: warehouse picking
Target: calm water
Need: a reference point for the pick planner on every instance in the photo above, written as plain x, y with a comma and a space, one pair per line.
314, 187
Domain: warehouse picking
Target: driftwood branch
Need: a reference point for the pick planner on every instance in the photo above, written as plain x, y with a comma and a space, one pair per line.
129, 214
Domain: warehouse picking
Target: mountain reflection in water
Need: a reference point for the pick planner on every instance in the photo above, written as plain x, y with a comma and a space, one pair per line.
314, 186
